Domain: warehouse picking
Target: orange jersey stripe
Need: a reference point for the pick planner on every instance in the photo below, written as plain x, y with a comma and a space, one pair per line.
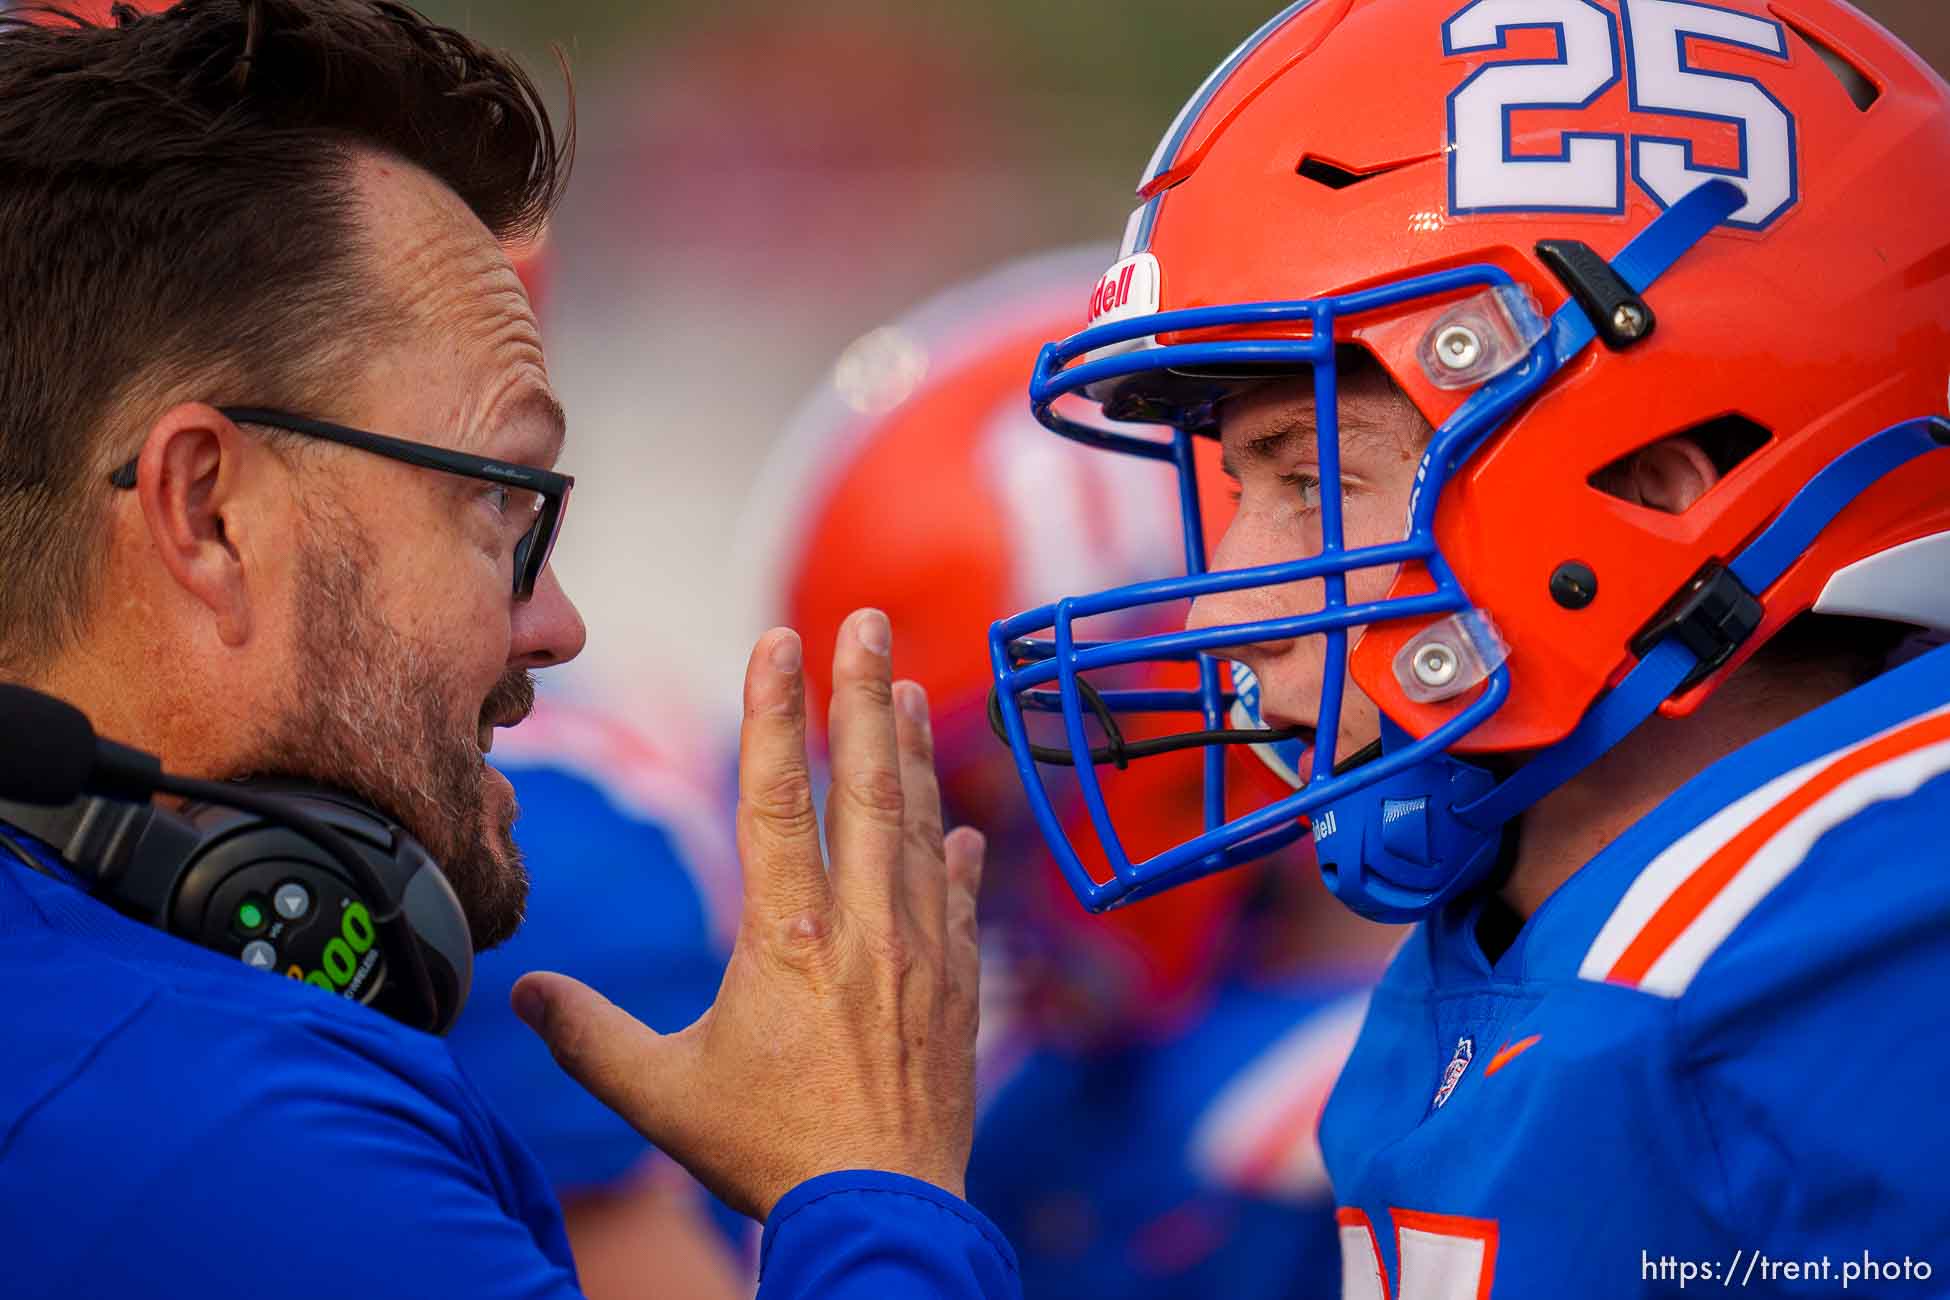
1699, 890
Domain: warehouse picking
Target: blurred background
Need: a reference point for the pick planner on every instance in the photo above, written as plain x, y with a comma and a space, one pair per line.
759, 184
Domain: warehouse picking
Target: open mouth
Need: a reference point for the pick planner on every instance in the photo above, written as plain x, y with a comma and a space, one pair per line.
485, 736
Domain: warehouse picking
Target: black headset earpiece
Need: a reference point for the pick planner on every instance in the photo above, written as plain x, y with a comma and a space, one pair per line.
247, 883
267, 894
297, 880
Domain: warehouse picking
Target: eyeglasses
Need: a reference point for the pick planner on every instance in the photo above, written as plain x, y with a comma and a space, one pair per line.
536, 495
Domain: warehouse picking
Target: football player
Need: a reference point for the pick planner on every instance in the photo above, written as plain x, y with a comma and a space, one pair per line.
1581, 367
1152, 1084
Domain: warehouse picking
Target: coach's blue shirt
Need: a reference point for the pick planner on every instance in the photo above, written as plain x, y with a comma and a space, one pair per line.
173, 1124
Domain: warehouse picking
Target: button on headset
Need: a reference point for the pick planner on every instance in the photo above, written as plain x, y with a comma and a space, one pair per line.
259, 955
250, 919
292, 900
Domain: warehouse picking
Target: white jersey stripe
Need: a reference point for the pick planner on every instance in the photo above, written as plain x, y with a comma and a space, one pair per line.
1674, 970
1246, 1140
1675, 866
1672, 868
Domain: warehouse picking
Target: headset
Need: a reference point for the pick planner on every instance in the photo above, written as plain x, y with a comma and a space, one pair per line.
296, 880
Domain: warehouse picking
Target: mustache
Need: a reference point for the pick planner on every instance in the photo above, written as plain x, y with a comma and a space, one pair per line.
511, 700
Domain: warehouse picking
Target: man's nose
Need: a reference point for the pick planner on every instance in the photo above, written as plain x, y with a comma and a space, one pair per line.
548, 629
1236, 550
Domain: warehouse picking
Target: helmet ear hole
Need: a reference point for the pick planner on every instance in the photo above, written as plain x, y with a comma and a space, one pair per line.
1726, 442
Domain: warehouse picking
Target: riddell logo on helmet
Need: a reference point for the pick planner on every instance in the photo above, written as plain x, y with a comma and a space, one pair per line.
1112, 291
1128, 289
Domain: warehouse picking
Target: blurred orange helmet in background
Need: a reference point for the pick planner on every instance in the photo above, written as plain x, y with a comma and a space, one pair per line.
914, 480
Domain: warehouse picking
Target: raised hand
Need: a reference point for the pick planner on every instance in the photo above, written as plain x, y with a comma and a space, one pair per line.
843, 1035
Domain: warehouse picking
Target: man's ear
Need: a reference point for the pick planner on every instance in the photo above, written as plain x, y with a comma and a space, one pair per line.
189, 477
1668, 476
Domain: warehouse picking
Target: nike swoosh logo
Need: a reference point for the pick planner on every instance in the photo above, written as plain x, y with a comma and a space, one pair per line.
1510, 1052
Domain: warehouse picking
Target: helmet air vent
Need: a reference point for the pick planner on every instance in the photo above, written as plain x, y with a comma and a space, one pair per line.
1336, 177
1861, 91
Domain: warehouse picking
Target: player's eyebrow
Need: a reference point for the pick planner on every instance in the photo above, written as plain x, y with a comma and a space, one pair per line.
1264, 446
1278, 435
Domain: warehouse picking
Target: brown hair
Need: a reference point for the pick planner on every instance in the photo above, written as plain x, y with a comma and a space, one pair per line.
176, 210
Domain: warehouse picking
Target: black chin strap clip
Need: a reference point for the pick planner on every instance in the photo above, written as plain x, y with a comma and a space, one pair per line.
1620, 313
1713, 615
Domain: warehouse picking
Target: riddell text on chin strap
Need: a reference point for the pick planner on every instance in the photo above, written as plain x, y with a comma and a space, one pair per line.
298, 881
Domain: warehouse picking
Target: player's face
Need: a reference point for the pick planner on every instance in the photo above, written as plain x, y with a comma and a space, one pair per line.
1267, 436
406, 644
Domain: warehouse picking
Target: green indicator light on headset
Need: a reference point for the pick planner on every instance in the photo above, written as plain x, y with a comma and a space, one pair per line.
250, 917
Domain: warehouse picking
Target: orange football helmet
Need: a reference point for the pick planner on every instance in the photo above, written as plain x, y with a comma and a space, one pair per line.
1567, 230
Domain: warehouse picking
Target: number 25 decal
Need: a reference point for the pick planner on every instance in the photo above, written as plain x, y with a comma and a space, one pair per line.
1587, 173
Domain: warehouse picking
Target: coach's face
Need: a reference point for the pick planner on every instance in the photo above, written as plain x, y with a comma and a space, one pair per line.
400, 640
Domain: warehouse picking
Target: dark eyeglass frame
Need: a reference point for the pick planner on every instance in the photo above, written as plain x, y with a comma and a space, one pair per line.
531, 552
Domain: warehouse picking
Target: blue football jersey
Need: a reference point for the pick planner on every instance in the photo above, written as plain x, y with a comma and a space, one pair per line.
1713, 1057
1185, 1167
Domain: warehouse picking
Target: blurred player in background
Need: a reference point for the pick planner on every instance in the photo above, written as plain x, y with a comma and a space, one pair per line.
1151, 1079
633, 888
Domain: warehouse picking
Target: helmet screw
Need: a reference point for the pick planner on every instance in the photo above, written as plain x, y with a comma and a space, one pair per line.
1458, 347
1629, 320
1574, 585
1436, 664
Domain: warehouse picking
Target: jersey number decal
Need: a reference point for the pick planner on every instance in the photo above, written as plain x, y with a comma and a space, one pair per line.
1587, 173
1442, 1257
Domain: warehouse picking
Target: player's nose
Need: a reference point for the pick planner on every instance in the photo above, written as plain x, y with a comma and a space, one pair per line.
1244, 547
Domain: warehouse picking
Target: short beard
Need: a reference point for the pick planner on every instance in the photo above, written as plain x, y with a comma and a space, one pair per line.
367, 715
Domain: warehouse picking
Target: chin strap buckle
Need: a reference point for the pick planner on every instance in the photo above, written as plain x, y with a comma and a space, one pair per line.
1712, 616
1618, 312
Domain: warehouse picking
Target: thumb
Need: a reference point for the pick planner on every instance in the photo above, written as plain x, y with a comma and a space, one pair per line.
624, 1063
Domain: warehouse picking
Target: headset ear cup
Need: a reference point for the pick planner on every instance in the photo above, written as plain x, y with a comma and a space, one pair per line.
245, 886
436, 921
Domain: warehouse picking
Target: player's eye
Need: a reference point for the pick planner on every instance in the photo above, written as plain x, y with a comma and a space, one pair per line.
1306, 487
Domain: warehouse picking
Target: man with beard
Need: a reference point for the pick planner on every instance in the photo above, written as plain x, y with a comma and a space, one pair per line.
236, 239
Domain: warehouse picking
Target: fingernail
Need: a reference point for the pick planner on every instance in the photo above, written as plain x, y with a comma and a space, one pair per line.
914, 702
788, 653
875, 633
528, 1005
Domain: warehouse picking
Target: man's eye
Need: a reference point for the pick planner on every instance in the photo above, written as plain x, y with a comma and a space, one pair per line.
497, 496
1306, 487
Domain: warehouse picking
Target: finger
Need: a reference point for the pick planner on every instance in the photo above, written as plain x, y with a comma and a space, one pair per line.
964, 851
864, 805
923, 881
627, 1066
778, 831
